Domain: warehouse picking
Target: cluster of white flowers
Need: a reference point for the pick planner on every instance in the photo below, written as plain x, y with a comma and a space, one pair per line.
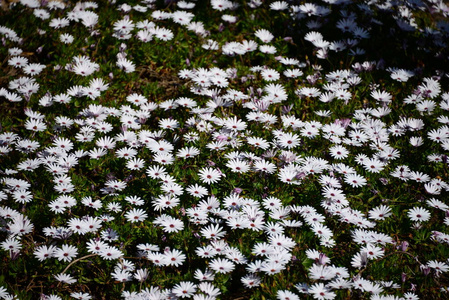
248, 138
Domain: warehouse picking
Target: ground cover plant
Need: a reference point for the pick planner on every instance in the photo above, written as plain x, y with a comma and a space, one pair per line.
224, 149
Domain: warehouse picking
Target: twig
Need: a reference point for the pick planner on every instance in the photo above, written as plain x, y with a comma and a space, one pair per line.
77, 260
30, 284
